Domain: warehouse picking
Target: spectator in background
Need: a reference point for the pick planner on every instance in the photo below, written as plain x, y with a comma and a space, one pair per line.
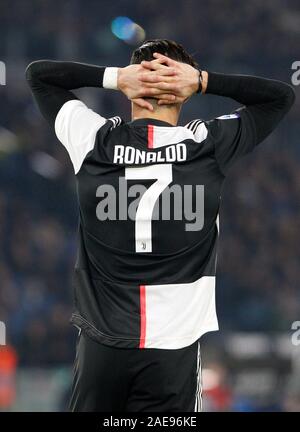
8, 364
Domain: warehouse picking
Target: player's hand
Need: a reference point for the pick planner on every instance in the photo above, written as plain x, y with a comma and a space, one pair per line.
131, 84
183, 82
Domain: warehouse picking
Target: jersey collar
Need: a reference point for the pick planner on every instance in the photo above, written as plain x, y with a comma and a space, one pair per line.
149, 121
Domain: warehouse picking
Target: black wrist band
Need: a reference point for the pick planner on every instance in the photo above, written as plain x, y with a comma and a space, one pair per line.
200, 81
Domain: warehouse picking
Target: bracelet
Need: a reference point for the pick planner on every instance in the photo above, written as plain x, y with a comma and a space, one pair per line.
200, 81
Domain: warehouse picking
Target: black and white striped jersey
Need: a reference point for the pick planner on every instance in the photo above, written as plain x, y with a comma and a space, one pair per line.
148, 280
149, 196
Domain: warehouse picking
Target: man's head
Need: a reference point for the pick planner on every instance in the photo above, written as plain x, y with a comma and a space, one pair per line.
174, 51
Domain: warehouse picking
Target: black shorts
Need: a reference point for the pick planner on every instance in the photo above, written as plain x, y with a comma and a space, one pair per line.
108, 379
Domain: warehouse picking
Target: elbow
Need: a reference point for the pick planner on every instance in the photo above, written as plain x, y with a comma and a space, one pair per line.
291, 96
288, 97
33, 71
30, 71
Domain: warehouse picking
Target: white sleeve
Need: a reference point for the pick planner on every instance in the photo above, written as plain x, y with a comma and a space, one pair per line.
76, 127
198, 129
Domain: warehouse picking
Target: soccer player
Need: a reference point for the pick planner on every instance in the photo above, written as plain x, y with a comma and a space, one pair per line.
148, 195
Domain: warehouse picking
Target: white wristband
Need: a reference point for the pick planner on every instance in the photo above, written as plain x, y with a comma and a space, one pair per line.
110, 78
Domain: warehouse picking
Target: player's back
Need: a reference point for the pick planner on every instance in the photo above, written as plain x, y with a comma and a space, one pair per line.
149, 200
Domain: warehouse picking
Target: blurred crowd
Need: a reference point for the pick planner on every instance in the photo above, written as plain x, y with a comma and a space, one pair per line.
259, 247
258, 271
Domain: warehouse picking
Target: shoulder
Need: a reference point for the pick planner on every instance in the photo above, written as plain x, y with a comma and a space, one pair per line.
115, 122
198, 128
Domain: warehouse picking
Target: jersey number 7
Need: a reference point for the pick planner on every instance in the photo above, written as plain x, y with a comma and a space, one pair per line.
162, 173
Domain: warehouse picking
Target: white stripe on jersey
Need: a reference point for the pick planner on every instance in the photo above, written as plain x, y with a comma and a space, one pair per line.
191, 124
195, 125
76, 127
218, 223
164, 136
188, 125
198, 397
229, 116
198, 128
186, 310
116, 121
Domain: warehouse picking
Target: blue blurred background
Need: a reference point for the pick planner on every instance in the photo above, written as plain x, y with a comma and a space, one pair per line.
251, 364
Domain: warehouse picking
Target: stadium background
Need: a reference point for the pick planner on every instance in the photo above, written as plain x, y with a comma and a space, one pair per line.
251, 364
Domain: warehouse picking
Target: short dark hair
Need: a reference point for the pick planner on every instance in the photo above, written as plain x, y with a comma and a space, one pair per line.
166, 47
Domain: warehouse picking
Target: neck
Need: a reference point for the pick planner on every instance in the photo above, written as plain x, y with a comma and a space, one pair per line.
169, 114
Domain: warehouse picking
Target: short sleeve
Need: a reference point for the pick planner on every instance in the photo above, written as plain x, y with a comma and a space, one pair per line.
234, 136
76, 127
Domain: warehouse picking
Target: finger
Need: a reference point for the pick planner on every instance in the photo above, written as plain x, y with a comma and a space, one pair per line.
167, 97
165, 71
168, 87
166, 101
156, 61
154, 91
153, 77
165, 59
154, 64
148, 64
142, 103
